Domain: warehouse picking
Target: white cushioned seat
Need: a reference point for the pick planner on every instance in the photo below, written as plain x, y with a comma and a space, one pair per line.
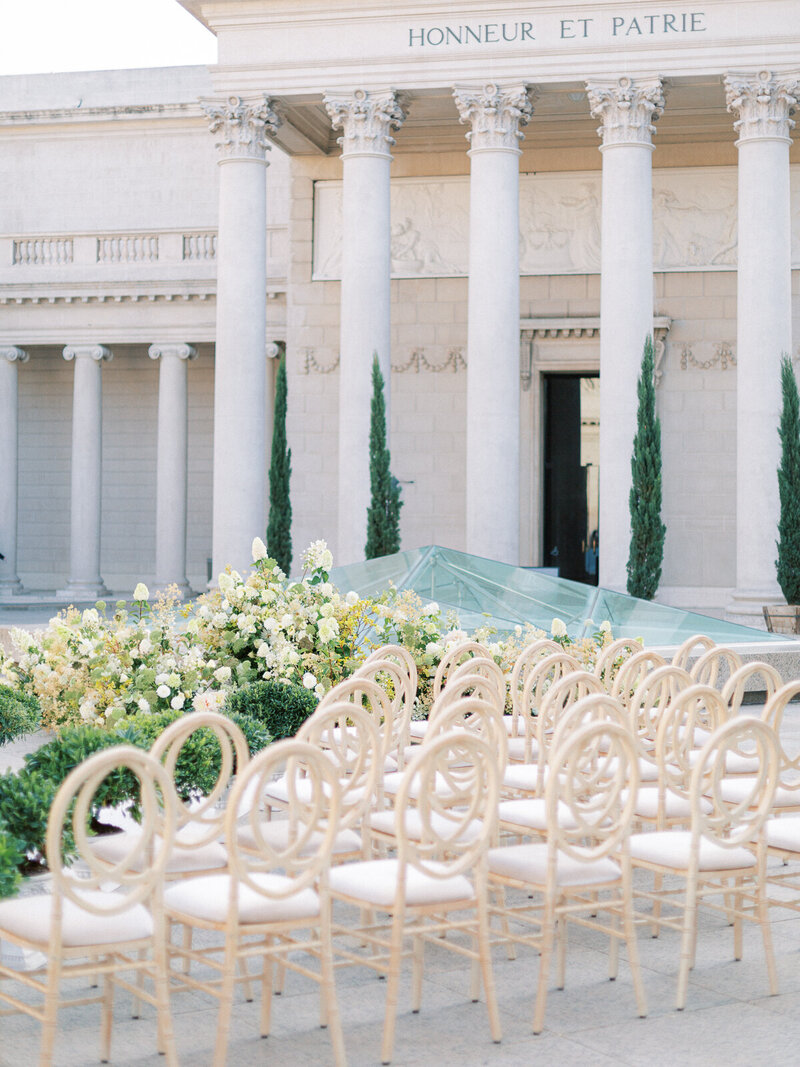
113, 848
517, 748
523, 776
784, 833
391, 783
675, 806
508, 722
672, 848
735, 763
31, 917
375, 882
276, 833
531, 812
735, 790
207, 899
417, 728
279, 791
528, 863
384, 822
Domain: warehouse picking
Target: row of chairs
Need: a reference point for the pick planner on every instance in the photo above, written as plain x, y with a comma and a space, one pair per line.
367, 818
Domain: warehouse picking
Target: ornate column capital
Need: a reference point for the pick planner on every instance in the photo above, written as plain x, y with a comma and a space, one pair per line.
626, 108
496, 113
242, 126
96, 352
276, 349
764, 103
366, 119
181, 351
13, 354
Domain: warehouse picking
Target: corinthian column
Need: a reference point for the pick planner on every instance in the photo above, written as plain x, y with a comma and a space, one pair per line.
763, 103
366, 120
86, 482
171, 464
495, 113
10, 358
627, 110
239, 509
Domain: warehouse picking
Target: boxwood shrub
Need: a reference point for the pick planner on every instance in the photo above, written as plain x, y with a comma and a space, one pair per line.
19, 714
280, 706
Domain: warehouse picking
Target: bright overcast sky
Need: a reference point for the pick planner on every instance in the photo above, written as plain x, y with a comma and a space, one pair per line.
41, 36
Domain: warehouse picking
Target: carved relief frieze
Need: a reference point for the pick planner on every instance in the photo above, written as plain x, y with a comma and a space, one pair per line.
418, 361
311, 365
706, 355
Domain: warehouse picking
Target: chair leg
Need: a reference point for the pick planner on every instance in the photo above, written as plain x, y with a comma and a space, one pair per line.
226, 1001
266, 989
561, 940
762, 909
417, 966
687, 942
485, 951
735, 913
392, 984
613, 949
631, 942
50, 1011
166, 1034
136, 1005
546, 953
329, 987
107, 1016
658, 883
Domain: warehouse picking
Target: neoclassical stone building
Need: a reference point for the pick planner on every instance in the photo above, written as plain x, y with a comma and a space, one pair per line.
500, 201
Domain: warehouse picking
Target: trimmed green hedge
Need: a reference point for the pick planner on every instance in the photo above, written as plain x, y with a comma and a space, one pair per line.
19, 714
280, 707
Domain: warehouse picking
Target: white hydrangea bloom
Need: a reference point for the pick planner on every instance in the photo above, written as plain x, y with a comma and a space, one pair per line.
259, 549
141, 592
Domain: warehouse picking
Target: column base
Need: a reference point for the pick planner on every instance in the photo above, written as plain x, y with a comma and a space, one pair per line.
11, 587
75, 591
185, 591
745, 606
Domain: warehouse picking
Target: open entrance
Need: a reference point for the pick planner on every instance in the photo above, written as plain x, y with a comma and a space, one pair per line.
571, 541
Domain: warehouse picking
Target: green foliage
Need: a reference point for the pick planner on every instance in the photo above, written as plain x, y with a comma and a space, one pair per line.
19, 714
280, 707
25, 801
788, 561
279, 527
255, 732
72, 746
11, 859
647, 529
383, 514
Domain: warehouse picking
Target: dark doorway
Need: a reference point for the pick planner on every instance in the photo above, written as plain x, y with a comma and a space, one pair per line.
571, 442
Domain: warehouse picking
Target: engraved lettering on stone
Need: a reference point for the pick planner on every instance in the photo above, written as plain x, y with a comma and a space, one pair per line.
495, 113
764, 103
627, 109
242, 126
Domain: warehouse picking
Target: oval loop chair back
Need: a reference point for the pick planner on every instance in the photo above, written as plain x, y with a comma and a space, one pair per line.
222, 739
596, 707
718, 660
313, 813
610, 658
773, 716
392, 677
652, 695
691, 645
452, 657
368, 694
591, 791
734, 822
529, 656
350, 738
401, 655
562, 694
481, 717
484, 667
467, 685
633, 672
140, 871
455, 781
734, 690
698, 708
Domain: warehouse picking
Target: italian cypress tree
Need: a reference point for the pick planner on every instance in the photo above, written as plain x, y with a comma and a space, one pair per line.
788, 561
383, 514
647, 529
279, 526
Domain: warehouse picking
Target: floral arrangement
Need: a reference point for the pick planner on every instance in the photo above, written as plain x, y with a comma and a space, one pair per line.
88, 666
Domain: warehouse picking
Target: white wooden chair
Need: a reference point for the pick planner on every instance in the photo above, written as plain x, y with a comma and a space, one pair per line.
84, 931
684, 652
611, 658
633, 672
715, 666
271, 890
395, 680
589, 809
437, 872
528, 657
459, 655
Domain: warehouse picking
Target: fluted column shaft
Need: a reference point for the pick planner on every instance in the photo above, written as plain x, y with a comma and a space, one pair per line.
171, 464
763, 103
10, 358
86, 479
366, 119
495, 114
627, 110
239, 483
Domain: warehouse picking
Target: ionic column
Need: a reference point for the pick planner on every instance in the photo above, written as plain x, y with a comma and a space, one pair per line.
627, 110
171, 464
763, 103
366, 119
495, 113
10, 358
239, 508
86, 480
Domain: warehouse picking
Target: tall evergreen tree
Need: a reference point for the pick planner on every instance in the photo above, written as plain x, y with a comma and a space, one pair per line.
647, 529
383, 514
788, 561
279, 526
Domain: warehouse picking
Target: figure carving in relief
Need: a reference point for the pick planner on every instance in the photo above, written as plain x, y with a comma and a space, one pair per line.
559, 231
431, 238
585, 236
688, 234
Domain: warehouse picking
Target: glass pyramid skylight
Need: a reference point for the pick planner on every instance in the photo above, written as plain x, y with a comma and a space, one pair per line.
484, 591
